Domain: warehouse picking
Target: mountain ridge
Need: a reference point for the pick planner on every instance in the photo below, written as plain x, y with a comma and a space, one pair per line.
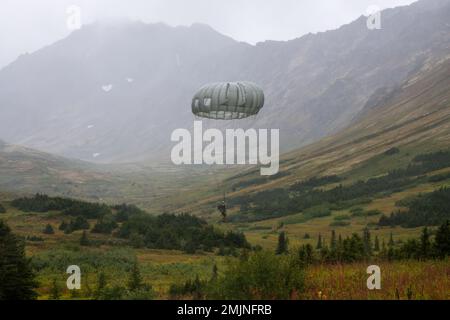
115, 93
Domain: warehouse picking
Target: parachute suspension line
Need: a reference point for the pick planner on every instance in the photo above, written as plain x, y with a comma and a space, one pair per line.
220, 185
254, 118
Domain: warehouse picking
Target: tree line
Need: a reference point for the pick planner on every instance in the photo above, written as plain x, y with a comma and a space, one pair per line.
364, 247
425, 210
167, 231
44, 203
306, 194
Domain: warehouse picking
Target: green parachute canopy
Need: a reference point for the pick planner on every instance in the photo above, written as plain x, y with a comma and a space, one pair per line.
228, 100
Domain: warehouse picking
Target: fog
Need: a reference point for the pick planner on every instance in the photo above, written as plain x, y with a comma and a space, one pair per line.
28, 25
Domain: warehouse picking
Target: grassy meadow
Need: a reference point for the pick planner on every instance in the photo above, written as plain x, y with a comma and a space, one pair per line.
162, 268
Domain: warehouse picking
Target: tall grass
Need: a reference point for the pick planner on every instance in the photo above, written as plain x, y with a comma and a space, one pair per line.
416, 280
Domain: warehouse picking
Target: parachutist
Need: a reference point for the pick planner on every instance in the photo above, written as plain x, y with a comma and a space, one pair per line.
223, 210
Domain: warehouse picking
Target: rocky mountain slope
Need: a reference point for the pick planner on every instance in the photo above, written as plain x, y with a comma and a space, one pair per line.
114, 93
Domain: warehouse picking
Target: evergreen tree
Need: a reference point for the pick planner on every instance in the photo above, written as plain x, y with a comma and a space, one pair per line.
325, 253
339, 249
425, 243
306, 254
353, 248
282, 243
319, 242
377, 244
2, 209
383, 252
48, 229
333, 241
84, 241
135, 278
391, 240
16, 276
367, 242
55, 293
442, 240
390, 250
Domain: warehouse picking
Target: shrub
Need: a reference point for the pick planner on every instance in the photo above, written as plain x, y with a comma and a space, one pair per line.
342, 217
48, 229
262, 275
373, 213
392, 151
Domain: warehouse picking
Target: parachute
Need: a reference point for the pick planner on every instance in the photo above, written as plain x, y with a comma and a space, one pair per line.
228, 100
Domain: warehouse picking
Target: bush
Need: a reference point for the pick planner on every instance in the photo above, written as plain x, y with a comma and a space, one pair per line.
373, 213
317, 212
105, 225
48, 229
2, 209
79, 223
392, 151
34, 239
262, 275
342, 217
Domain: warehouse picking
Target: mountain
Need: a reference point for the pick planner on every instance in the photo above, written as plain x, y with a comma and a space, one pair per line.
409, 120
25, 170
114, 93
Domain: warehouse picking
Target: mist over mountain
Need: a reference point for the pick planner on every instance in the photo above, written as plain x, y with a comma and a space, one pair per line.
115, 92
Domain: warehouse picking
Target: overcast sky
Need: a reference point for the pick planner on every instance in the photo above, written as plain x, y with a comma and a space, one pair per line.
27, 25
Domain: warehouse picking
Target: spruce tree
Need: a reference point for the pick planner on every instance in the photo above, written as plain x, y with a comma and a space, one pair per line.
282, 243
16, 276
333, 241
442, 240
367, 242
306, 254
377, 244
383, 252
425, 244
339, 248
319, 242
390, 251
135, 278
391, 240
